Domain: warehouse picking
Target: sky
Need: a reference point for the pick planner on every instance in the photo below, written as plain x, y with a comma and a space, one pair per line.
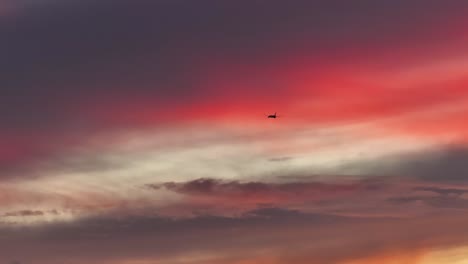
136, 132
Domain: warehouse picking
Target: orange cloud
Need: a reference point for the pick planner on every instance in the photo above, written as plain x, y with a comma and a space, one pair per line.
408, 256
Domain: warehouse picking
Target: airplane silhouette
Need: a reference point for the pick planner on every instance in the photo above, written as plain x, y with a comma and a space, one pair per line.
272, 116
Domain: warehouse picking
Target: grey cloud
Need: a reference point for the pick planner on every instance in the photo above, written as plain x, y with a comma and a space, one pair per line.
406, 199
223, 197
291, 235
445, 202
280, 159
445, 164
207, 186
24, 213
275, 214
295, 235
442, 191
108, 238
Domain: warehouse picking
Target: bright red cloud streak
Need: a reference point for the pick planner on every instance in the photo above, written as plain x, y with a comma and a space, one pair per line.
307, 81
324, 96
300, 94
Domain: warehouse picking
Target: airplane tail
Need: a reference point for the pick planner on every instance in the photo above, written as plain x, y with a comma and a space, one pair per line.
271, 115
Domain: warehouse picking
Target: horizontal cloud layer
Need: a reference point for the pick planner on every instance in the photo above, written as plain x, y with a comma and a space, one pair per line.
135, 132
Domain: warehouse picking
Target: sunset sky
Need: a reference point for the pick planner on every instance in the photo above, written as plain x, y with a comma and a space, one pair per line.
136, 132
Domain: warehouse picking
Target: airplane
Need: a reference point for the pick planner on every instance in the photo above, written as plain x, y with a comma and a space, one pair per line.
272, 116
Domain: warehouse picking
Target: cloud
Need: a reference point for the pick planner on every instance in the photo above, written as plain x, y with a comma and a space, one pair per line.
443, 164
369, 196
163, 63
82, 81
335, 221
218, 187
443, 191
284, 235
220, 196
162, 233
24, 213
280, 159
383, 187
446, 165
